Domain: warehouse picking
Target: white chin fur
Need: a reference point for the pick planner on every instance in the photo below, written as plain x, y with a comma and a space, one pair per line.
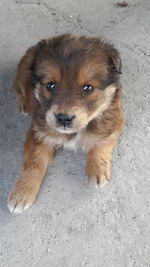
66, 131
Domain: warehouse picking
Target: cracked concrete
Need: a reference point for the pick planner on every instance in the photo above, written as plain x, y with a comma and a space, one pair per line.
72, 224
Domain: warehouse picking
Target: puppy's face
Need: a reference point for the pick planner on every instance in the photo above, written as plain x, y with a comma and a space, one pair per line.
74, 80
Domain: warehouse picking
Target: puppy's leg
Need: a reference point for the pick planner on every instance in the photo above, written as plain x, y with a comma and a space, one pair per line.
37, 156
98, 162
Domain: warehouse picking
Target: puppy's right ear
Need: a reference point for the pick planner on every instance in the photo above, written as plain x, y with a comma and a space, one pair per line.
22, 81
39, 50
41, 44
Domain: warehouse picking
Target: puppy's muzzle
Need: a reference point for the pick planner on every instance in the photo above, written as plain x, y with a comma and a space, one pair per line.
64, 119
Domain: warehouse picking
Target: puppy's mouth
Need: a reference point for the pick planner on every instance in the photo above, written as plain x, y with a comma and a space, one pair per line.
65, 129
66, 123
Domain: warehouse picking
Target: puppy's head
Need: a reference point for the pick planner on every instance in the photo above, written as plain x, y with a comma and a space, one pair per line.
73, 80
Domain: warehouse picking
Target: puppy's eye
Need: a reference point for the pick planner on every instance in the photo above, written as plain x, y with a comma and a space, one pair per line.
87, 89
51, 86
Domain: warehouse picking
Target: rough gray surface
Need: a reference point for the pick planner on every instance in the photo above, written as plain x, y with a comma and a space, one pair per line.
72, 224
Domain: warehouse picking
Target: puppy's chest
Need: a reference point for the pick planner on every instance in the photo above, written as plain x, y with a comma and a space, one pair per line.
79, 141
74, 143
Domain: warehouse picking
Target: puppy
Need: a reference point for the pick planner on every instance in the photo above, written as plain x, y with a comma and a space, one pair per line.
70, 88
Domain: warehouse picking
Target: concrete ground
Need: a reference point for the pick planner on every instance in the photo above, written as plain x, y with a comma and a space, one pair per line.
72, 224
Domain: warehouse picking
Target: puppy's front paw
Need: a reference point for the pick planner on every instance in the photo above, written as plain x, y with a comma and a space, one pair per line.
99, 175
21, 197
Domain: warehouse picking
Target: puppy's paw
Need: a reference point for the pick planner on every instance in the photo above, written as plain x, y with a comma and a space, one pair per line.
98, 175
21, 197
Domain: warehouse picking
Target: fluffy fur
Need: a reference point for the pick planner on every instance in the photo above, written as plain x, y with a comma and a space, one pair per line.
70, 63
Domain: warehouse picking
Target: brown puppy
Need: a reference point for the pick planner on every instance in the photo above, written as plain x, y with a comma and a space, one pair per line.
70, 88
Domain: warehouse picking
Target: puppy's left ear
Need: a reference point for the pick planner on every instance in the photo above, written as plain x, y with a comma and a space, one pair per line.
115, 60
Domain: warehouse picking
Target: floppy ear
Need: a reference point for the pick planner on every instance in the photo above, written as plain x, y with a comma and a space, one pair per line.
41, 44
42, 48
22, 81
115, 60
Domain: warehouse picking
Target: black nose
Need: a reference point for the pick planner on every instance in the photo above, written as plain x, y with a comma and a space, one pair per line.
64, 119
